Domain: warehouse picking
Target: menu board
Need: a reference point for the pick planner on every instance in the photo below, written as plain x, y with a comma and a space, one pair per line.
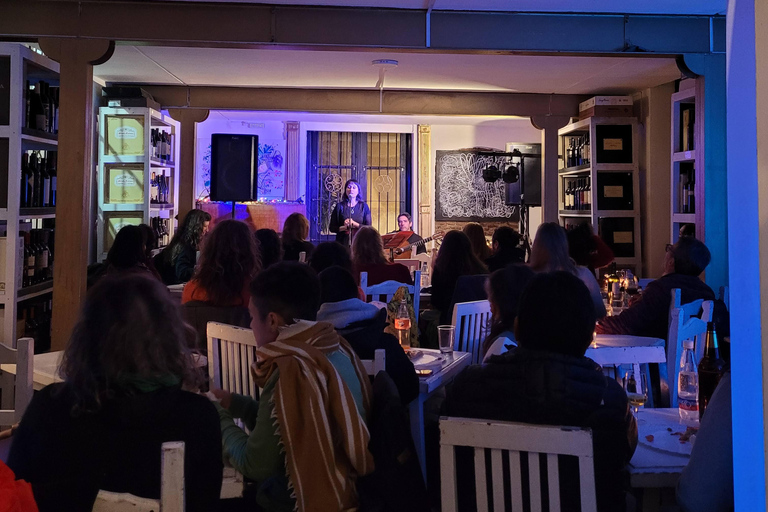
125, 135
124, 184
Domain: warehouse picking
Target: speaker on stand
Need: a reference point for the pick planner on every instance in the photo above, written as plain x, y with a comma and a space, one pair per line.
234, 168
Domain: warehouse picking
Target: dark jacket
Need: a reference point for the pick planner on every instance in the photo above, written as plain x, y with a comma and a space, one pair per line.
361, 214
67, 458
502, 258
179, 270
649, 315
363, 327
555, 389
292, 249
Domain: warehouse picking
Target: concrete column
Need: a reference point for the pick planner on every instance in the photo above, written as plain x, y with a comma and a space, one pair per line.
747, 206
292, 156
188, 118
550, 144
76, 125
426, 181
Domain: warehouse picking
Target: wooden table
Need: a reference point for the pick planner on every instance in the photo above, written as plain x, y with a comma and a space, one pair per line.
653, 469
452, 364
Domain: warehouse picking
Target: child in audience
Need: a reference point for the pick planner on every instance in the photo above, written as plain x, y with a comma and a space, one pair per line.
122, 397
308, 439
547, 380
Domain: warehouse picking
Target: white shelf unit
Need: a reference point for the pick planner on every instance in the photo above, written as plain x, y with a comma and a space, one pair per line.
114, 213
687, 160
22, 64
613, 176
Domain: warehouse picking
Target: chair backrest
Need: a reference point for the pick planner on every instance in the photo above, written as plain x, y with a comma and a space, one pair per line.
515, 441
171, 488
377, 364
385, 291
197, 314
686, 322
23, 357
231, 350
472, 323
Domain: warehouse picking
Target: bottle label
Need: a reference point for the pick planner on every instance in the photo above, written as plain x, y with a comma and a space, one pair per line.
402, 323
686, 404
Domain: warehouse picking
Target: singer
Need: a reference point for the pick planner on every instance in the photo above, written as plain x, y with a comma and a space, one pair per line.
350, 214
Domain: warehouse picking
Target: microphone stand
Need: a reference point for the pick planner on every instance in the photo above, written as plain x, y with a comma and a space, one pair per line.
349, 227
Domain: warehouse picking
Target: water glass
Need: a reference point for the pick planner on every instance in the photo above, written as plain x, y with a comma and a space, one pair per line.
446, 335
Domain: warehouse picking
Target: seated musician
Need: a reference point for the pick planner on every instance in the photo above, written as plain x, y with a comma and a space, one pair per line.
308, 440
405, 223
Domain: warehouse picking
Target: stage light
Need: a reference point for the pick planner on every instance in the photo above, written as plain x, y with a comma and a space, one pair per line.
511, 174
491, 174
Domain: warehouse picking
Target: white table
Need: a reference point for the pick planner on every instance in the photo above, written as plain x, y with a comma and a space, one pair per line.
654, 469
452, 364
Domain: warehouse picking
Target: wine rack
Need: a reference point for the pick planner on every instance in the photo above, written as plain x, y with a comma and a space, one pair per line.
599, 183
138, 177
686, 205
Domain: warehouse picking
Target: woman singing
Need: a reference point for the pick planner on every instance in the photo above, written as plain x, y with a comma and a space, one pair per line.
350, 213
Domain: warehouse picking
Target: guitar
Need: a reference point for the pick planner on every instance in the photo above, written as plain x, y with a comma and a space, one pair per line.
404, 251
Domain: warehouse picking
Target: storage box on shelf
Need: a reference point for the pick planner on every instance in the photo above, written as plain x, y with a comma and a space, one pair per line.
137, 173
686, 201
28, 148
599, 183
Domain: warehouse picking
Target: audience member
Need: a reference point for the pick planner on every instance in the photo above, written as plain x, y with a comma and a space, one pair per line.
368, 256
176, 263
121, 398
476, 235
504, 288
330, 254
547, 380
308, 440
587, 249
706, 484
454, 259
126, 256
362, 325
550, 253
268, 244
295, 233
649, 313
228, 261
506, 250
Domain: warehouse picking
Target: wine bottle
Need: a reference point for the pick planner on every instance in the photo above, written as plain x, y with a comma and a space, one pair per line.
52, 157
33, 180
40, 116
28, 105
153, 188
29, 254
23, 194
45, 182
691, 191
711, 368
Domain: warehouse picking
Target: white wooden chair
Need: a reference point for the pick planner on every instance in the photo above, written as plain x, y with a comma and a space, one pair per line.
472, 323
23, 357
231, 350
377, 364
171, 488
385, 291
686, 322
513, 440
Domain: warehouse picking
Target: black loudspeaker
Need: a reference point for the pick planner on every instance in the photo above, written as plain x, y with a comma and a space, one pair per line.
234, 167
531, 175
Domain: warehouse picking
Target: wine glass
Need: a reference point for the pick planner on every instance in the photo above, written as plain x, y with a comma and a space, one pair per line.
637, 392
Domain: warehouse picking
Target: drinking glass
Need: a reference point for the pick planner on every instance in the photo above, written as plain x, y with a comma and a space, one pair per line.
637, 392
446, 335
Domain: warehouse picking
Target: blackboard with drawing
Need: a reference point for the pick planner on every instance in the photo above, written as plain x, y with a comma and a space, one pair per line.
462, 194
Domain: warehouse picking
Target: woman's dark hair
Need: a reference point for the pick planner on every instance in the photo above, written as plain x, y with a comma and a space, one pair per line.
129, 329
368, 248
691, 256
295, 228
456, 257
289, 288
337, 284
127, 250
150, 240
360, 197
228, 260
329, 254
581, 244
550, 250
268, 244
505, 286
476, 235
556, 315
190, 233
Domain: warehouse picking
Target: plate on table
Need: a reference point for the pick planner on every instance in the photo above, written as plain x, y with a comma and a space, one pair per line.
423, 361
667, 439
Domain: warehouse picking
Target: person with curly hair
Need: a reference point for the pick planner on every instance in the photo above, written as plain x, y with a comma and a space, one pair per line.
176, 263
228, 262
126, 369
295, 233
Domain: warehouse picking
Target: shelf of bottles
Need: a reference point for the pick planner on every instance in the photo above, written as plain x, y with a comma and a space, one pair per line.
686, 160
138, 178
598, 182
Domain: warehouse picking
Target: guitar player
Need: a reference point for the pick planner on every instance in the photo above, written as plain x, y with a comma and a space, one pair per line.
405, 223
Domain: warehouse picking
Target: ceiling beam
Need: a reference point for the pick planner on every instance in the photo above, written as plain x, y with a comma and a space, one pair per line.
228, 24
355, 101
